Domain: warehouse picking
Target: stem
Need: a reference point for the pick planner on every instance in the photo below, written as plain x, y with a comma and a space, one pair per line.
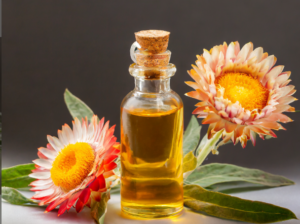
203, 153
207, 147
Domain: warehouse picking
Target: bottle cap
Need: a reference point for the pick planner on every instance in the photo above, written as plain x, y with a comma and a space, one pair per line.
152, 48
153, 41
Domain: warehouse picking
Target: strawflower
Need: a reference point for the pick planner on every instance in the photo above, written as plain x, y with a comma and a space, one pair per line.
77, 167
241, 92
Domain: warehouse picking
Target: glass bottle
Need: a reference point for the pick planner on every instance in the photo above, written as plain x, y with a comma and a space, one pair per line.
151, 143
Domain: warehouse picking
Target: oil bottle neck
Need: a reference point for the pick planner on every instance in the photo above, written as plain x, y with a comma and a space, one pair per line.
152, 85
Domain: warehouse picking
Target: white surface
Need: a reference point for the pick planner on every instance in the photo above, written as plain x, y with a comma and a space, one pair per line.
288, 197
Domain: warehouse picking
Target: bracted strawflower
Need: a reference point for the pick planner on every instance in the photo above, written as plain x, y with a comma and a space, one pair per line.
77, 167
241, 92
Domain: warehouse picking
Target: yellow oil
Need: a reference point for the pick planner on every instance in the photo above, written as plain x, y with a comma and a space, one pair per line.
151, 158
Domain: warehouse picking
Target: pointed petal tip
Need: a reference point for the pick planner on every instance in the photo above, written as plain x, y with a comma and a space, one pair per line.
274, 135
283, 128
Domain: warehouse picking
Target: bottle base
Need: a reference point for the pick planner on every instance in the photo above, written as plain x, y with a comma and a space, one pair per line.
152, 212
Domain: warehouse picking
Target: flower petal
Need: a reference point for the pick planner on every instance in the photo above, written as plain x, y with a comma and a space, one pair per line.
62, 138
56, 144
245, 52
48, 153
42, 187
40, 182
73, 199
286, 100
110, 166
40, 175
41, 155
63, 207
110, 158
266, 64
63, 196
211, 118
43, 163
230, 127
253, 137
256, 55
220, 125
68, 134
230, 54
42, 194
85, 195
94, 186
238, 131
207, 57
272, 74
57, 192
77, 130
79, 206
282, 78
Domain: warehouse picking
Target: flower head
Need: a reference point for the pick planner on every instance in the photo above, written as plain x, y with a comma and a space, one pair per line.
241, 92
77, 166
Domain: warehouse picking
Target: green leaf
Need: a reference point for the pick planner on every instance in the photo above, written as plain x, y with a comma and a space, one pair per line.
116, 189
98, 209
17, 176
236, 187
216, 173
13, 196
77, 107
234, 208
189, 162
191, 136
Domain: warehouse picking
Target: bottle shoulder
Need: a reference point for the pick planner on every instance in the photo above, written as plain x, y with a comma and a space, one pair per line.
176, 95
140, 100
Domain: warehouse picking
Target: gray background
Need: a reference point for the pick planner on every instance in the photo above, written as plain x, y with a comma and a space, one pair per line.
48, 46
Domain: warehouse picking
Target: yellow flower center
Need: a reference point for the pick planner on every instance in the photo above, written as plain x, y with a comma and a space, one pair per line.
243, 88
72, 165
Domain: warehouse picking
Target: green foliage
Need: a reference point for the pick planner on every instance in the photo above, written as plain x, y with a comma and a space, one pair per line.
17, 176
218, 173
189, 162
13, 196
191, 139
191, 136
115, 190
77, 107
234, 208
98, 209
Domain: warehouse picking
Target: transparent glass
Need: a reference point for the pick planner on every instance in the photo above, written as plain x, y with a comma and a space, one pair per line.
151, 145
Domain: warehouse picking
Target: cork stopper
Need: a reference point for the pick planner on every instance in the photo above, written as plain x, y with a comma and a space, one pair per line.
153, 51
154, 41
152, 60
